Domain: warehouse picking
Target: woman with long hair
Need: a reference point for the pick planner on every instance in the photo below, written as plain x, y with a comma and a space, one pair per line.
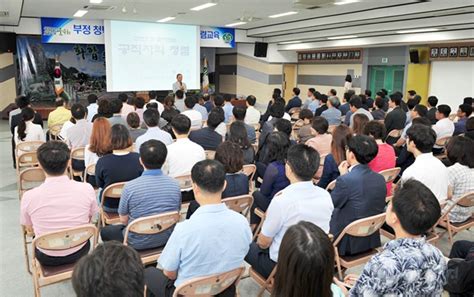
170, 110
99, 145
340, 137
26, 129
305, 264
359, 122
347, 83
238, 135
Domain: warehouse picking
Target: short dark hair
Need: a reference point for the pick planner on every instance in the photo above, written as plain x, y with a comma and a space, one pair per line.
422, 121
283, 125
231, 156
239, 113
151, 117
59, 101
179, 94
306, 113
416, 207
110, 270
333, 92
303, 161
152, 105
219, 101
216, 116
181, 124
356, 101
412, 92
92, 98
123, 97
379, 102
120, 137
152, 94
78, 111
433, 100
139, 102
395, 98
368, 93
133, 120
251, 100
320, 124
363, 147
153, 154
384, 91
421, 110
312, 90
277, 109
323, 98
348, 95
104, 108
54, 157
227, 97
375, 129
444, 110
296, 91
22, 101
423, 136
467, 100
116, 106
466, 108
190, 101
277, 91
460, 150
209, 175
411, 103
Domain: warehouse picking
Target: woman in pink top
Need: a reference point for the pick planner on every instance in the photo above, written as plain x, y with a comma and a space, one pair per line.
322, 141
385, 158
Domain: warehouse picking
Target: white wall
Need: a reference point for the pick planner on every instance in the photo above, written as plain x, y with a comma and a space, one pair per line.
451, 82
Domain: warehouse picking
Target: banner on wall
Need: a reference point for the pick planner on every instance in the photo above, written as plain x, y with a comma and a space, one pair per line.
56, 30
217, 37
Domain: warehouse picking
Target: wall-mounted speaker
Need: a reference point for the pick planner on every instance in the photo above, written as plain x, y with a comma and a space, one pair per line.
7, 43
260, 49
414, 57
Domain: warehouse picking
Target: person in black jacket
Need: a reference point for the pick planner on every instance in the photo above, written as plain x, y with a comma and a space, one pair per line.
207, 137
396, 119
432, 102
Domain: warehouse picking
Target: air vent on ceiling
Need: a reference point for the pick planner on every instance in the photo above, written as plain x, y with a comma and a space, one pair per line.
100, 7
4, 13
311, 4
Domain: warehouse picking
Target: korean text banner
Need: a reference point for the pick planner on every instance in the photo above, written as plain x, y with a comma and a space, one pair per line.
217, 37
54, 30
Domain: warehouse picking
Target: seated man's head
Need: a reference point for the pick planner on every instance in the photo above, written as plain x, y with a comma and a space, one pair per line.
251, 100
123, 97
53, 157
209, 182
306, 115
464, 111
60, 102
116, 106
432, 101
179, 94
418, 111
355, 103
112, 269
92, 98
139, 102
413, 210
277, 110
239, 113
395, 100
320, 125
420, 139
361, 149
181, 125
333, 101
22, 101
302, 163
443, 111
216, 116
151, 117
190, 101
133, 120
296, 91
282, 125
153, 154
78, 111
219, 101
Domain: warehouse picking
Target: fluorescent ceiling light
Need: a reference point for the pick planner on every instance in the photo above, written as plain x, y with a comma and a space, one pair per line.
291, 42
418, 30
95, 1
283, 14
204, 6
342, 37
167, 19
236, 24
342, 2
80, 13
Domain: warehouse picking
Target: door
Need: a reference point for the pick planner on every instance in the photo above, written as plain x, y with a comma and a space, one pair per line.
386, 77
289, 80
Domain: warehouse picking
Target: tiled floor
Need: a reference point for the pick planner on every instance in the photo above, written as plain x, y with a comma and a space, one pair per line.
14, 278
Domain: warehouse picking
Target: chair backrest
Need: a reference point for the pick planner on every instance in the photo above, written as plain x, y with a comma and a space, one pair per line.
30, 178
467, 200
114, 191
78, 153
331, 186
249, 170
90, 170
209, 285
331, 128
185, 182
27, 159
55, 130
210, 155
239, 204
362, 227
66, 239
452, 116
443, 141
28, 146
390, 174
152, 224
256, 127
394, 133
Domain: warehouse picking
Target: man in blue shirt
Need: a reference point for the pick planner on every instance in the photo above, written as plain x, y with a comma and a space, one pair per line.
214, 240
150, 194
228, 107
344, 108
295, 101
464, 112
151, 118
332, 114
239, 115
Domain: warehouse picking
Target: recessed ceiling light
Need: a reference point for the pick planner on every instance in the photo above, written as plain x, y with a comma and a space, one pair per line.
167, 19
342, 2
80, 13
236, 24
418, 30
291, 42
283, 14
95, 1
342, 37
203, 6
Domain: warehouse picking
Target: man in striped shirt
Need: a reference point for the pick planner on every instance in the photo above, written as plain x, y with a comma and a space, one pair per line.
150, 194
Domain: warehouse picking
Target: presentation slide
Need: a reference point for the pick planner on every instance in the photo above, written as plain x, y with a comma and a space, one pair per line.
147, 56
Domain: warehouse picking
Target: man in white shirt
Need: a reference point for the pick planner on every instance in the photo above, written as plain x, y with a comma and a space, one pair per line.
200, 108
179, 85
300, 201
93, 107
228, 107
153, 95
444, 126
152, 118
194, 115
79, 134
179, 100
127, 105
252, 117
427, 169
355, 105
416, 112
182, 154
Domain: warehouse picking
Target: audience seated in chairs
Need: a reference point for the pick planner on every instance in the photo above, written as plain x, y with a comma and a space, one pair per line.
238, 135
207, 137
305, 263
134, 126
26, 130
214, 240
295, 101
79, 134
194, 116
356, 108
252, 116
321, 142
332, 114
300, 201
427, 169
395, 119
359, 193
110, 168
112, 269
444, 127
152, 118
150, 194
239, 116
340, 137
464, 112
304, 126
230, 155
408, 265
59, 203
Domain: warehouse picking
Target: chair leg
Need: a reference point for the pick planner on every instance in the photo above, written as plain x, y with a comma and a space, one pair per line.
338, 264
450, 233
27, 257
36, 280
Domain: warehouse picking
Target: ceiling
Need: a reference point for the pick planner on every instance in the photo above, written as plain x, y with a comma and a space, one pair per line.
366, 18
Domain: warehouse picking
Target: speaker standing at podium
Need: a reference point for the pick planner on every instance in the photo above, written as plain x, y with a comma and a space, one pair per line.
179, 84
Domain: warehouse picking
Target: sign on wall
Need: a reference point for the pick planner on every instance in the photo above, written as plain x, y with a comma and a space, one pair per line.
331, 56
56, 30
450, 52
217, 37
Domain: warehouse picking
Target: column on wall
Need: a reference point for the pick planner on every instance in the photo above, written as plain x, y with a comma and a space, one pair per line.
7, 80
418, 75
226, 68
